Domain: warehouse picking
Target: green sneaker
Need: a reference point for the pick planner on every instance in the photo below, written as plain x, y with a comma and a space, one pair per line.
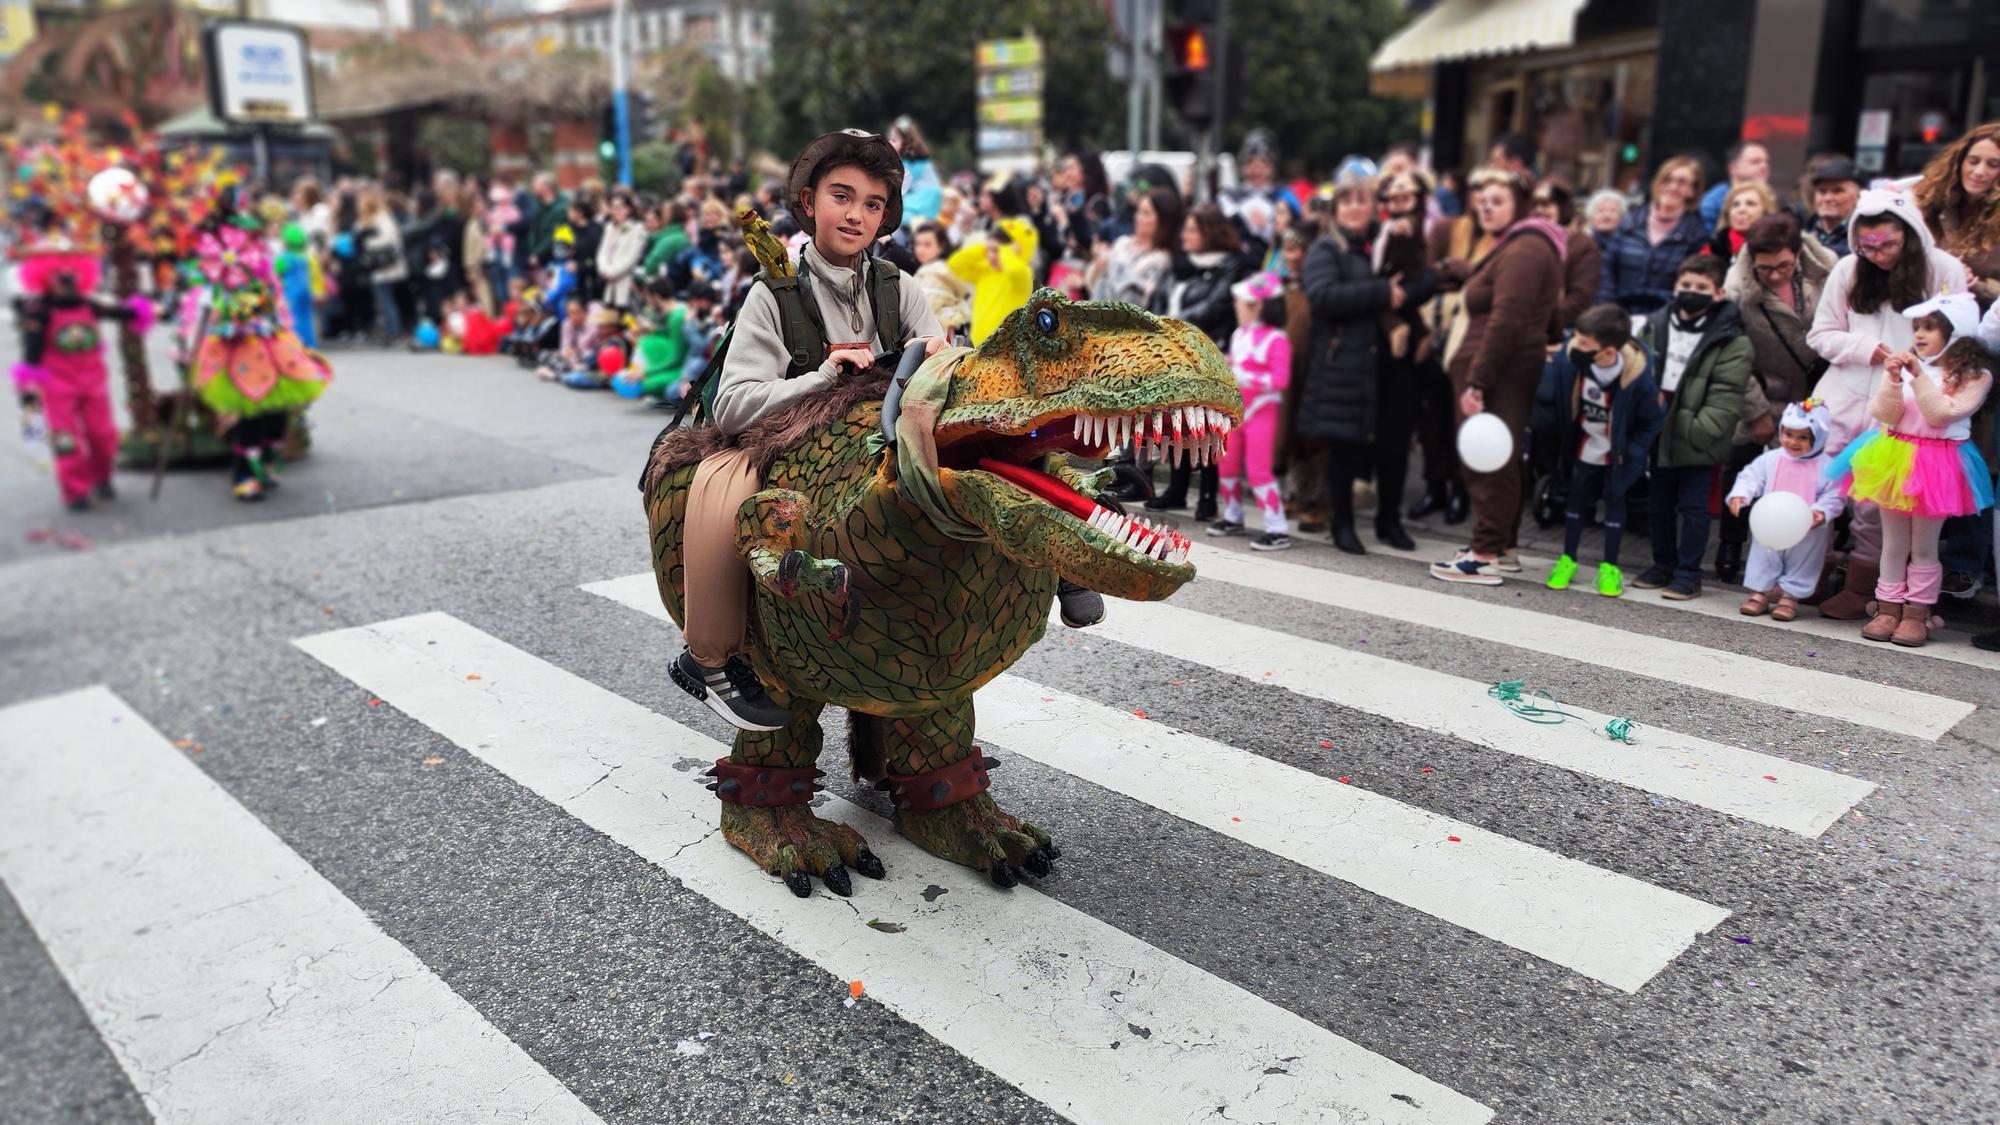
1610, 580
1565, 569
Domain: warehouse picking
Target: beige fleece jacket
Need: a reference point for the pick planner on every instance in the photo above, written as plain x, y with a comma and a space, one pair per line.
753, 374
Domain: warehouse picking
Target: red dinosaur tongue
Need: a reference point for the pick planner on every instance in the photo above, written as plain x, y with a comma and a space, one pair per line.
1161, 543
1042, 485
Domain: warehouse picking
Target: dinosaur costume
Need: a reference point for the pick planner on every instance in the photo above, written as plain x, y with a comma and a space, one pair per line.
894, 576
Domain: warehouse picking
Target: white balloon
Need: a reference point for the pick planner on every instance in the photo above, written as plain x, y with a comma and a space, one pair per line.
1779, 520
1485, 443
117, 194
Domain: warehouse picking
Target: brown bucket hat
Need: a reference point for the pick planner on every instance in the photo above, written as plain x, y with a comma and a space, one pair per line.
845, 147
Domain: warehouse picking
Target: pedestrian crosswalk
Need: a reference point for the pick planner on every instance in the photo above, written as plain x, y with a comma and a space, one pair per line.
1038, 1010
231, 981
309, 1003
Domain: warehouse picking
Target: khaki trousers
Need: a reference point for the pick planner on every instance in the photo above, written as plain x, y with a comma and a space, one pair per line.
718, 583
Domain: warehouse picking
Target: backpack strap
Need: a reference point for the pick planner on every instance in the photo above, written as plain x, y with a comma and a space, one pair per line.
887, 280
799, 321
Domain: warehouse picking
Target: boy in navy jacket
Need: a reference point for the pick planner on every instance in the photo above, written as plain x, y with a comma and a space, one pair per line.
1603, 384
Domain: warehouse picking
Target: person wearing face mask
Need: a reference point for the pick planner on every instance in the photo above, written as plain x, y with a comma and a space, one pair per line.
1705, 360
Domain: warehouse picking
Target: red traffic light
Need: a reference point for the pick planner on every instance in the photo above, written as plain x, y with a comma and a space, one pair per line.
1191, 48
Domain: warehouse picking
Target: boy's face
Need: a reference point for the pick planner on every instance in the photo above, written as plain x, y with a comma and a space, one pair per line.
847, 209
1926, 338
1696, 283
1798, 443
1599, 354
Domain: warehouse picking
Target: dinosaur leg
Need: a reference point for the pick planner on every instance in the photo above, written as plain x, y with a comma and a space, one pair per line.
937, 780
768, 532
765, 785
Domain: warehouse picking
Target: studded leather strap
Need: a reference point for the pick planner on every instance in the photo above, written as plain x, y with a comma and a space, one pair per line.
941, 788
763, 786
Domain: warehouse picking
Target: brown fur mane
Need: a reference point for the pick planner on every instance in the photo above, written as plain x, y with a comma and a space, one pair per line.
770, 438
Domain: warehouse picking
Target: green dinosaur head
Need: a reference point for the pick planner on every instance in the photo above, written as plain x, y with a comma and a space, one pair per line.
1062, 378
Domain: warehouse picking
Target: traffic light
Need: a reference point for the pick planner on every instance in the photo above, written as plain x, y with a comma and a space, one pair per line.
607, 134
645, 118
1193, 38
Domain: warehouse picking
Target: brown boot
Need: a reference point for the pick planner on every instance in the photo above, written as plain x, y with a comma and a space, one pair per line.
1851, 604
1887, 620
1915, 627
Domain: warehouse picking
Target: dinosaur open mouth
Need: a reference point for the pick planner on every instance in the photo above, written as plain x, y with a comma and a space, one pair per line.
1135, 535
1161, 433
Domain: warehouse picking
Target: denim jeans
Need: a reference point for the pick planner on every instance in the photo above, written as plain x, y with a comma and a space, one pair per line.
1678, 517
387, 317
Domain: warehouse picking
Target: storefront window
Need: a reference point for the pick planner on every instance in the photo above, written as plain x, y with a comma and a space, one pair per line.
1924, 111
1589, 119
1915, 23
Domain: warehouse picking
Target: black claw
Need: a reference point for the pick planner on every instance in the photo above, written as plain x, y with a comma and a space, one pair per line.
800, 883
1037, 863
1053, 851
1003, 875
836, 880
868, 865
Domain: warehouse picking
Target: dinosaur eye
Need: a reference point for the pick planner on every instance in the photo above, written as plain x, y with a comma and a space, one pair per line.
1045, 320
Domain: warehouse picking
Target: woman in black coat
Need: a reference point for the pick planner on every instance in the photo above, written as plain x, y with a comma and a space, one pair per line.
1197, 291
1344, 361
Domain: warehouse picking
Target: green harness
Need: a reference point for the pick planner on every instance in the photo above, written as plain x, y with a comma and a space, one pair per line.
804, 331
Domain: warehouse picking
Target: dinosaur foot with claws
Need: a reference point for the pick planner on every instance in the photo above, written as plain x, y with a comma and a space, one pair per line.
790, 842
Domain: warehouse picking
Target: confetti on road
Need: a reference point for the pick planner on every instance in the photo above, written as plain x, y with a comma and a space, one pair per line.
318, 722
1741, 939
1140, 714
1455, 839
1347, 781
434, 761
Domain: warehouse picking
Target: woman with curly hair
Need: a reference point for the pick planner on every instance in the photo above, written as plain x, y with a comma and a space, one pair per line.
1957, 199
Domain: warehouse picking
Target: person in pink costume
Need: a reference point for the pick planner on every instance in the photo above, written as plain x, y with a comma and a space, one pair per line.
1777, 580
1917, 465
1856, 328
62, 365
1261, 355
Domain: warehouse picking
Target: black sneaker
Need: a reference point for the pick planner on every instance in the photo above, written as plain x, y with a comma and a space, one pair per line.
1988, 641
1271, 541
1081, 608
105, 491
1653, 578
1224, 527
80, 504
731, 691
1960, 584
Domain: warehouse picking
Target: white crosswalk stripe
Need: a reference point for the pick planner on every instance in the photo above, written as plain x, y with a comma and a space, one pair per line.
1035, 1018
1608, 927
1719, 602
231, 981
1897, 710
1757, 787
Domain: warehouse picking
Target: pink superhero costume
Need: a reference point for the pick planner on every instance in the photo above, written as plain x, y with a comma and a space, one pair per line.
1262, 359
63, 363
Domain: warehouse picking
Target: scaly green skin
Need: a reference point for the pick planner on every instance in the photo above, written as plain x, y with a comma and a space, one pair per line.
927, 619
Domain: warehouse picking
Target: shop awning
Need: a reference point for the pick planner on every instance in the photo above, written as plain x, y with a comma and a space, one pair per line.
1464, 29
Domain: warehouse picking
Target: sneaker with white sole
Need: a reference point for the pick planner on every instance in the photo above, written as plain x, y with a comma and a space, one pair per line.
731, 691
1468, 570
1271, 541
1223, 527
1081, 607
1508, 563
1961, 584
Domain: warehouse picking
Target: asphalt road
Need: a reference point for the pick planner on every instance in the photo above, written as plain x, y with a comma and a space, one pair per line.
1836, 970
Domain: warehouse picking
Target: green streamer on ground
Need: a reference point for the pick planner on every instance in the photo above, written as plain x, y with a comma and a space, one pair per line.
1520, 699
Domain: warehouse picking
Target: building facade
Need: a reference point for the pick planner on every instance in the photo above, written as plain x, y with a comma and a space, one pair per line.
1609, 88
736, 37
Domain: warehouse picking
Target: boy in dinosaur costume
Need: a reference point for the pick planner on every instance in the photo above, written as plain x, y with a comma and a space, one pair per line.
906, 546
846, 191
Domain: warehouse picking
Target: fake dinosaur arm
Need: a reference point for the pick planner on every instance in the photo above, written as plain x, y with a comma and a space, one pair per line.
769, 528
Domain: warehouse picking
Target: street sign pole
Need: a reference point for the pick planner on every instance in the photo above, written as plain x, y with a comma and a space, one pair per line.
621, 109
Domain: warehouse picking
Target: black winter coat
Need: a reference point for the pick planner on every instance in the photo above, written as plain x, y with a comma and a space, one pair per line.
1344, 347
1205, 301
